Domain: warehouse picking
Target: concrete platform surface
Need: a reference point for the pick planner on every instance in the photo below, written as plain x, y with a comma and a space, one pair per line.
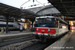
70, 44
58, 45
14, 33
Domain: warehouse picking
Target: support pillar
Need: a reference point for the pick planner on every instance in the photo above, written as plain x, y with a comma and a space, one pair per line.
33, 19
68, 26
32, 24
6, 24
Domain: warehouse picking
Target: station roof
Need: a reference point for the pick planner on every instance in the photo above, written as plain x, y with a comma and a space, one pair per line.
48, 10
7, 10
66, 7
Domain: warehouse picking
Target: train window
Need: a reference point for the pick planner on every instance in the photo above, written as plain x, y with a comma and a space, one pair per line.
60, 25
55, 18
39, 20
47, 20
56, 23
44, 20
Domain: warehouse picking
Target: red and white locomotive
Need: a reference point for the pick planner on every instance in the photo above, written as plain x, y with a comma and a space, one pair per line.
47, 27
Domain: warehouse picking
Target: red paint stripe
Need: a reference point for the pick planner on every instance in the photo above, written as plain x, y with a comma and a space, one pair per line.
44, 30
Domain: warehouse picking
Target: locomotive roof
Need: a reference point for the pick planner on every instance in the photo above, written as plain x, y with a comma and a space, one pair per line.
46, 17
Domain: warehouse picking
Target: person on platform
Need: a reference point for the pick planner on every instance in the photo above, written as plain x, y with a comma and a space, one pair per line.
21, 28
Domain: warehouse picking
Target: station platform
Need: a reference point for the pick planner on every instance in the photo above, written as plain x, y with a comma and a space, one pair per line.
70, 44
67, 42
14, 34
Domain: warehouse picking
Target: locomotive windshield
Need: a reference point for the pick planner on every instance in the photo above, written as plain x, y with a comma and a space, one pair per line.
45, 22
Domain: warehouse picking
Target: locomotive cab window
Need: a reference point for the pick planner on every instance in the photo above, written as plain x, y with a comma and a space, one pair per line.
39, 20
46, 22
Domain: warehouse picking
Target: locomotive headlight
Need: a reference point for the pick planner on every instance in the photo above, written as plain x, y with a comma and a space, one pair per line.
48, 30
37, 29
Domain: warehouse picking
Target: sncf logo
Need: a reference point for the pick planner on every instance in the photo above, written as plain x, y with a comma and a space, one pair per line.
42, 30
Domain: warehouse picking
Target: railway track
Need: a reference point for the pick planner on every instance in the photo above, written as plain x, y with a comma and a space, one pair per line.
27, 44
16, 40
38, 45
41, 45
19, 45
